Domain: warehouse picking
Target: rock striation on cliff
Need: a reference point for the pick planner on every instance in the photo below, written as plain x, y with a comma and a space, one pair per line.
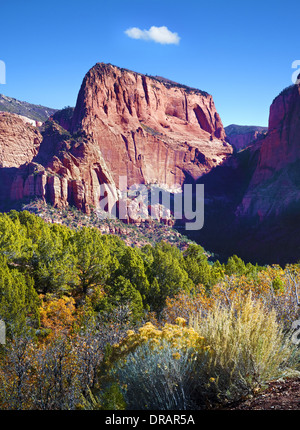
19, 140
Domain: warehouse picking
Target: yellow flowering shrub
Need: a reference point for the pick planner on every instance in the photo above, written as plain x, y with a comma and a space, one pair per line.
178, 337
157, 367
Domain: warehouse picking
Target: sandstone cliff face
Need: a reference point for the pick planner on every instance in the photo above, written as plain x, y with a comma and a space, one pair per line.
64, 172
252, 201
124, 124
274, 184
19, 141
149, 130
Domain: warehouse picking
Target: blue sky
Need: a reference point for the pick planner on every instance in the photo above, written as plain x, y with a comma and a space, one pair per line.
241, 52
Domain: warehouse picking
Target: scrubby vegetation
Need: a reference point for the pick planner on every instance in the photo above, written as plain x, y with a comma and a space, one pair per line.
92, 323
132, 234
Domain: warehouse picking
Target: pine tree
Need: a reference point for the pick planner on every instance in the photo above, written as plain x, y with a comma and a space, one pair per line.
19, 302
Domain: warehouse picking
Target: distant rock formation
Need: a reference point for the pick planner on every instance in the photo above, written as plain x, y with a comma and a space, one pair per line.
31, 111
241, 136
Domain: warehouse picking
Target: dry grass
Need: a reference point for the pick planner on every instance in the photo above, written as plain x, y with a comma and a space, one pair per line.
248, 348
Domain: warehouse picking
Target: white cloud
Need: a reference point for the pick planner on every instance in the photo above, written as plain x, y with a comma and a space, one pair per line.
157, 34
